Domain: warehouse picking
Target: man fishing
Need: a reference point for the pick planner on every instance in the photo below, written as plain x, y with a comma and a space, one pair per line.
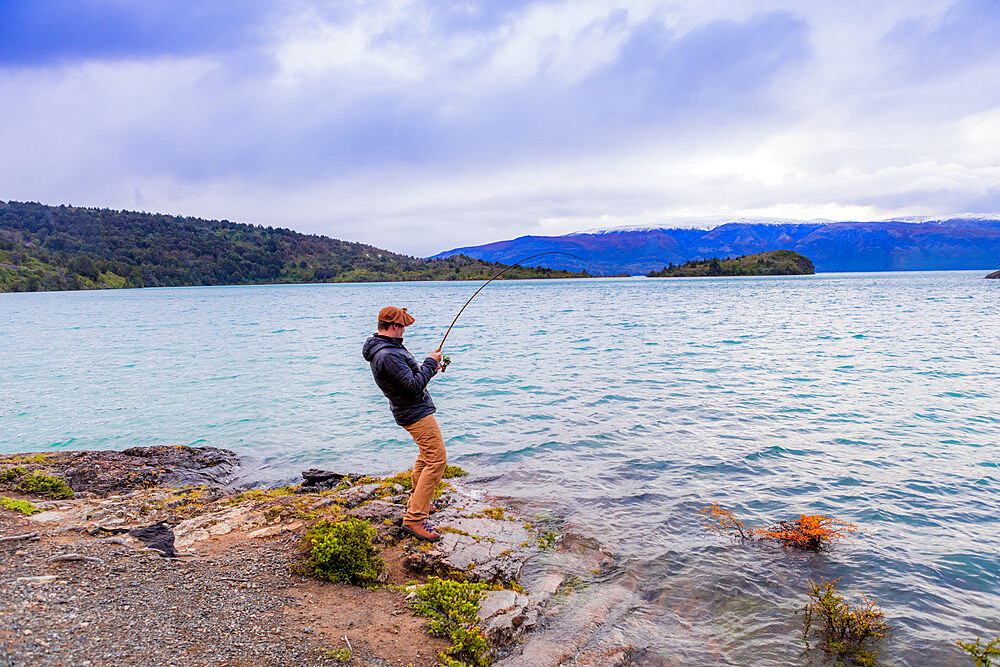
404, 383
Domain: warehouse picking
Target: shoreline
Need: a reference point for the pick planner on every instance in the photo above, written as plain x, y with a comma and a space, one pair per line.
84, 581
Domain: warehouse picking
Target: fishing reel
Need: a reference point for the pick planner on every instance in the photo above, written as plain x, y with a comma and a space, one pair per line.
444, 363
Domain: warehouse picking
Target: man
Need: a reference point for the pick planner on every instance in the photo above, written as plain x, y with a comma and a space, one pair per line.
404, 383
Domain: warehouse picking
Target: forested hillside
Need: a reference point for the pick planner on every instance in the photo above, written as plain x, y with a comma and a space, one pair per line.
61, 247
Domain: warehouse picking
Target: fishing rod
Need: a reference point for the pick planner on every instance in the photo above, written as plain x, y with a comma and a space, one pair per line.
446, 360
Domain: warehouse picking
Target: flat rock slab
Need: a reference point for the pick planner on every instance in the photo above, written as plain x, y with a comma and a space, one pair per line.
107, 472
481, 547
378, 511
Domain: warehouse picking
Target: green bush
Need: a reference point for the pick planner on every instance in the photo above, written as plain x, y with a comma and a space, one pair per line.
10, 474
343, 551
453, 471
453, 608
22, 506
983, 655
36, 483
848, 633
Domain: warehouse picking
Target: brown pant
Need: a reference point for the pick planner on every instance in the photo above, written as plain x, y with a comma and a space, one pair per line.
428, 469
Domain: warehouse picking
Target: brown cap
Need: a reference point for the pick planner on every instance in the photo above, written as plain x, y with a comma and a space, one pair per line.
396, 316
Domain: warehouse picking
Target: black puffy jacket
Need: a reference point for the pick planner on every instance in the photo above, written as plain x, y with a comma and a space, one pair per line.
399, 377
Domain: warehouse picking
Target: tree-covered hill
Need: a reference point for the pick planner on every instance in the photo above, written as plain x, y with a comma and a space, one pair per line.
773, 263
62, 248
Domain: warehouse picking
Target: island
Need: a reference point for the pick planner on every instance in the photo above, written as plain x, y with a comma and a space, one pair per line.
772, 263
994, 276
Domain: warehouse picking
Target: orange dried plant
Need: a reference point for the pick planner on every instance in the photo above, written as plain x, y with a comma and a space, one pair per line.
719, 520
807, 532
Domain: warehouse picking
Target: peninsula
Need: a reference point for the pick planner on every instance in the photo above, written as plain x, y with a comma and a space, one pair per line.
67, 248
771, 263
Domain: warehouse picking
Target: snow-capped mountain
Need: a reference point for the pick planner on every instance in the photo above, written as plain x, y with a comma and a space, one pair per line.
900, 244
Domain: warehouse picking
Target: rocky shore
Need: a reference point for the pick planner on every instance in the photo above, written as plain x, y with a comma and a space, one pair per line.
159, 558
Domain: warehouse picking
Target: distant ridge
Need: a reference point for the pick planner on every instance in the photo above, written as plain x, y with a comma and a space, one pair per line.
955, 242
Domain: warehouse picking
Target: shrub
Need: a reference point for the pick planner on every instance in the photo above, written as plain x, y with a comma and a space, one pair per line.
808, 531
983, 655
811, 532
22, 506
10, 474
849, 633
343, 551
453, 608
36, 483
719, 520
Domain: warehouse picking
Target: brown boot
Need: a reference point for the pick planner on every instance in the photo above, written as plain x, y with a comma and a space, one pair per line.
422, 531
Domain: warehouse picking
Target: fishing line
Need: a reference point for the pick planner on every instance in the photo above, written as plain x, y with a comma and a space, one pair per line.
552, 252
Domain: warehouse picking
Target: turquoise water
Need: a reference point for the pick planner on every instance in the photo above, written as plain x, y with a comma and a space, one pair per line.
624, 404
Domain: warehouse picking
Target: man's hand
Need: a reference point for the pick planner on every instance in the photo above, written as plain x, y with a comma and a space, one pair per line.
436, 356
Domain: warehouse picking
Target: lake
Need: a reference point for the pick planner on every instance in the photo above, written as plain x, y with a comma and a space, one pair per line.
622, 405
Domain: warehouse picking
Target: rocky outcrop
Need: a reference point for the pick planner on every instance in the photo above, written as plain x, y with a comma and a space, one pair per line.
995, 275
107, 472
549, 605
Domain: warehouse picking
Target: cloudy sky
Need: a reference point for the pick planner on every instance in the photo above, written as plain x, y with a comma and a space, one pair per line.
421, 126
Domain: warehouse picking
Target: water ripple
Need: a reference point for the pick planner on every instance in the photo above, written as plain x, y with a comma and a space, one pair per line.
869, 397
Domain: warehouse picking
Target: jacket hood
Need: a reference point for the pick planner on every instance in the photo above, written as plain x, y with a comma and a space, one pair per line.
376, 343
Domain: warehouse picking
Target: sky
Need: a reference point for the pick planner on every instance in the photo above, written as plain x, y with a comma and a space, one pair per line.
424, 126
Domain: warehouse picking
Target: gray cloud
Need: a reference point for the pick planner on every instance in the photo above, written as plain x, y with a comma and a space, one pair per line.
427, 125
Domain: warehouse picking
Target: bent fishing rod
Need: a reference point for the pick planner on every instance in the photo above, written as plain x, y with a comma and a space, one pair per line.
446, 360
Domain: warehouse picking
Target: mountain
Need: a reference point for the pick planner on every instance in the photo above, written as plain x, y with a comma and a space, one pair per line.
62, 247
770, 263
910, 244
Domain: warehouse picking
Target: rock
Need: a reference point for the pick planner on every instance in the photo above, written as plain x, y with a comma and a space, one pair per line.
322, 480
496, 602
994, 276
358, 494
378, 510
18, 538
269, 531
324, 502
483, 548
69, 558
107, 472
157, 536
547, 586
580, 634
36, 581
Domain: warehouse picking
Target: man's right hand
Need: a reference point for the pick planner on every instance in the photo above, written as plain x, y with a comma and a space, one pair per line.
436, 356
